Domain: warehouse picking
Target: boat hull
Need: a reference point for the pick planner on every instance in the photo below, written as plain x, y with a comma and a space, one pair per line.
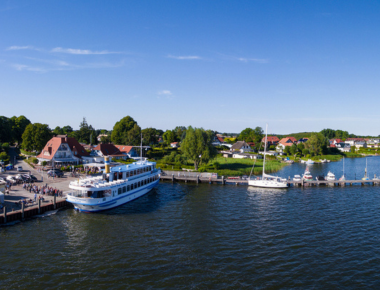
267, 183
97, 206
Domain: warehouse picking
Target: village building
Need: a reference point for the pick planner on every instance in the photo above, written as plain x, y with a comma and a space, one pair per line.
65, 150
271, 140
285, 142
174, 144
302, 140
102, 150
343, 147
241, 146
361, 144
129, 150
352, 141
99, 138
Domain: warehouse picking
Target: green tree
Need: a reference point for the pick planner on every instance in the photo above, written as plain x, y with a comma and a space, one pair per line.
105, 139
300, 147
86, 133
293, 149
317, 144
149, 136
4, 157
121, 129
169, 137
305, 152
5, 130
287, 150
58, 131
246, 135
44, 163
180, 133
18, 125
5, 146
35, 160
197, 146
133, 136
36, 136
67, 129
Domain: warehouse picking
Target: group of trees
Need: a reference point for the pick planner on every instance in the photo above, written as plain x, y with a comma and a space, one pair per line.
11, 129
317, 144
175, 135
252, 135
330, 134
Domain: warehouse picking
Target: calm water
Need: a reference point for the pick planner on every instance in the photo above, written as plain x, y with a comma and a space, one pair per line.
185, 236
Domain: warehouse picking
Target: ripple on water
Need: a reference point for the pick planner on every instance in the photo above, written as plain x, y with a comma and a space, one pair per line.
188, 236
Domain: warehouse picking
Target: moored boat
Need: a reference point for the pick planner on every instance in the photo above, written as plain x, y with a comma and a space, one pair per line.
297, 177
118, 185
307, 175
330, 176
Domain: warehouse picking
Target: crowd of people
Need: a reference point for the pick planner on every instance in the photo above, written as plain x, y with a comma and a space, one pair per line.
43, 189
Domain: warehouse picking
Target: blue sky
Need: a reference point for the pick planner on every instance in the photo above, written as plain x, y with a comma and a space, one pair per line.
221, 65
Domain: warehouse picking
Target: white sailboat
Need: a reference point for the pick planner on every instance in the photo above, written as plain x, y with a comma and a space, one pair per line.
267, 181
365, 172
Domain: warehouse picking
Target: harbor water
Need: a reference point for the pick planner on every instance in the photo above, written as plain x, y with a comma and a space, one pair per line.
188, 236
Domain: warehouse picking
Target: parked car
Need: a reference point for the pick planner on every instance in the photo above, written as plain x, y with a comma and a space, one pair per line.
11, 179
55, 173
20, 177
19, 168
30, 177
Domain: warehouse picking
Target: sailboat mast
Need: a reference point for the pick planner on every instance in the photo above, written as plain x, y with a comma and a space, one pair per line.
265, 146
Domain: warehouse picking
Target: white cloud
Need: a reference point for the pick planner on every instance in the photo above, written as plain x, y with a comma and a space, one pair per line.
187, 57
22, 67
165, 92
15, 47
80, 51
257, 60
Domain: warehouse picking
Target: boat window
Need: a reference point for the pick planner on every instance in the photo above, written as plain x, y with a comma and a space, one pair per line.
115, 176
131, 186
120, 175
98, 194
128, 188
138, 184
135, 172
138, 171
119, 190
124, 189
127, 173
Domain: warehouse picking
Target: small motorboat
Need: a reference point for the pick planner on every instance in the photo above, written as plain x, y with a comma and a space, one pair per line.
323, 160
309, 161
297, 178
320, 178
307, 175
330, 176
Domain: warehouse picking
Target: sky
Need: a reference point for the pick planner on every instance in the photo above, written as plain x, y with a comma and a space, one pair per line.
298, 66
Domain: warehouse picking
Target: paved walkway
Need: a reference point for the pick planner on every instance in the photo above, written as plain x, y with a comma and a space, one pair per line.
17, 192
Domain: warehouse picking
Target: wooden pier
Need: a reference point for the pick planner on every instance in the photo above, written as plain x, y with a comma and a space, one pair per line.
222, 180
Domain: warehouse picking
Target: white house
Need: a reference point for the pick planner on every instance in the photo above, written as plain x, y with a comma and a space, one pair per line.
242, 146
343, 147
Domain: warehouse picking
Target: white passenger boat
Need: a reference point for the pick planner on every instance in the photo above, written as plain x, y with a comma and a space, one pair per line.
309, 161
118, 185
268, 181
330, 176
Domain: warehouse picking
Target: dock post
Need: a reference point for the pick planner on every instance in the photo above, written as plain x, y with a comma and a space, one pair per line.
5, 214
172, 178
197, 179
55, 202
22, 211
302, 183
223, 180
39, 206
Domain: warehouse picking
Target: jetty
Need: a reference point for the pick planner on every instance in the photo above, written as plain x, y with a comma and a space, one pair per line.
237, 181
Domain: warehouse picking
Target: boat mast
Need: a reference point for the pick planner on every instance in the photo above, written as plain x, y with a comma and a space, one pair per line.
141, 148
265, 147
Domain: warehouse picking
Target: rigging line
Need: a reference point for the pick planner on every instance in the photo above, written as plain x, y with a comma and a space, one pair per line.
255, 159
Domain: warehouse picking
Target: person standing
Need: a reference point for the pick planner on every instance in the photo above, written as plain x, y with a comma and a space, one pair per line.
35, 197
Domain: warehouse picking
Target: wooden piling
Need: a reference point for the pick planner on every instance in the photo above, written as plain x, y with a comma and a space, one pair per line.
39, 206
22, 211
5, 214
55, 202
197, 179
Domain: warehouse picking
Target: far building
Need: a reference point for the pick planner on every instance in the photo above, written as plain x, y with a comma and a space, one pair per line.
102, 150
64, 150
285, 142
241, 146
271, 140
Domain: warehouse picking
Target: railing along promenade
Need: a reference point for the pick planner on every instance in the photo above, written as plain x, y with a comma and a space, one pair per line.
198, 178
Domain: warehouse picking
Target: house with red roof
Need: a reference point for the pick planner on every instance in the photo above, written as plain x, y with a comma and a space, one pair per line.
129, 150
285, 142
271, 140
110, 150
63, 149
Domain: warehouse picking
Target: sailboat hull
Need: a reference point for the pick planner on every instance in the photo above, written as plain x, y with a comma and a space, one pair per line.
267, 183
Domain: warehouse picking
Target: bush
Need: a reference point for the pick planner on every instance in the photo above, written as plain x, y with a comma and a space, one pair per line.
44, 163
4, 156
216, 165
35, 161
202, 169
5, 146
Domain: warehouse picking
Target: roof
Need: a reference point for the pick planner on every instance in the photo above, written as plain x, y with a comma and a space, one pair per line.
288, 141
354, 139
124, 148
271, 139
54, 143
239, 144
174, 143
220, 139
107, 149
